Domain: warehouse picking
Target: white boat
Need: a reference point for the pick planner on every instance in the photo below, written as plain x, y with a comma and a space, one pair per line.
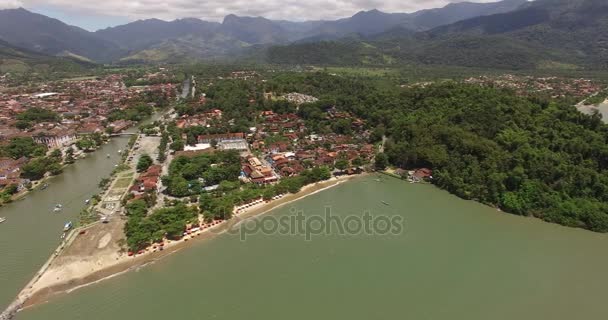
108, 155
87, 201
2, 219
57, 210
119, 151
67, 226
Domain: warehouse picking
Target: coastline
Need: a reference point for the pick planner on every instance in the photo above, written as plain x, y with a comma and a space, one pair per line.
116, 263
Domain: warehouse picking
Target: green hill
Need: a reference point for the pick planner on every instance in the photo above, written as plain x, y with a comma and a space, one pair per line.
562, 33
18, 60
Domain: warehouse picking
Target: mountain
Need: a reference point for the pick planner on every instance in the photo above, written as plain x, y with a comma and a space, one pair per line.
140, 34
16, 60
254, 30
454, 12
539, 34
374, 21
155, 40
575, 29
42, 34
188, 48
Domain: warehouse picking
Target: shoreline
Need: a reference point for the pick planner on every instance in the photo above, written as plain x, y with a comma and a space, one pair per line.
33, 296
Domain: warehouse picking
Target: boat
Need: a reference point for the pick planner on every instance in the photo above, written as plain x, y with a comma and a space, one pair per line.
59, 205
87, 201
385, 203
44, 186
67, 226
2, 219
57, 210
119, 151
108, 155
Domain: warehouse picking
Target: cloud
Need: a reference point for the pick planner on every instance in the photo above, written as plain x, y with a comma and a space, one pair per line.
215, 10
10, 4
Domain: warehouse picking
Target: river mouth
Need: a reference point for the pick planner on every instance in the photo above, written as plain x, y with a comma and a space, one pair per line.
455, 259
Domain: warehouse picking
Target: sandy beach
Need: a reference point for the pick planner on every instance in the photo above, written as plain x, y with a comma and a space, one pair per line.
97, 255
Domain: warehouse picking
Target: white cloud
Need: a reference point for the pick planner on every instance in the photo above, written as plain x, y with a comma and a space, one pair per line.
10, 4
215, 10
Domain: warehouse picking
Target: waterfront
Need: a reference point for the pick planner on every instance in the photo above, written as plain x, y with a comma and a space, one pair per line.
31, 231
455, 259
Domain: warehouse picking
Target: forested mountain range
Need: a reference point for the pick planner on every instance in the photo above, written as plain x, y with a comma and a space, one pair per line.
155, 40
511, 34
543, 33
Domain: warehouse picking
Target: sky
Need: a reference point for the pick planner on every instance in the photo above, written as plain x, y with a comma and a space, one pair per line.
98, 14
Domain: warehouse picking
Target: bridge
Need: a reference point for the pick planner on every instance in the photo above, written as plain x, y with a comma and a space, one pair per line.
124, 134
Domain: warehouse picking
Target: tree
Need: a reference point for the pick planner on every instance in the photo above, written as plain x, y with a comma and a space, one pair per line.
381, 162
145, 161
22, 147
35, 169
357, 162
56, 154
341, 164
69, 156
177, 145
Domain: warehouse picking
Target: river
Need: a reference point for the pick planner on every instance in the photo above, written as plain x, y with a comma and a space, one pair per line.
456, 259
31, 231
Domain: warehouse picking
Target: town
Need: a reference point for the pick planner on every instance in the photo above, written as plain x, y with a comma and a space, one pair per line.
66, 119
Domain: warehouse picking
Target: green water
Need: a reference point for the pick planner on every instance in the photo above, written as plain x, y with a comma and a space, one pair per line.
455, 260
32, 231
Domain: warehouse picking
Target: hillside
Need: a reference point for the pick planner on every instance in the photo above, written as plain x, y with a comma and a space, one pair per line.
564, 33
155, 40
18, 60
39, 33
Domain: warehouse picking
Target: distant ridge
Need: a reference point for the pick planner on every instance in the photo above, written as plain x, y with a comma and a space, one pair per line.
155, 40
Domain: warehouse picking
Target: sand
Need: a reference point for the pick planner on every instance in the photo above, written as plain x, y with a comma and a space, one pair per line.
97, 255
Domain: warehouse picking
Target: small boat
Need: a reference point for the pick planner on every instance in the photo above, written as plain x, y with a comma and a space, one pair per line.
119, 151
385, 203
59, 205
87, 201
67, 226
56, 210
2, 219
44, 186
108, 155
63, 235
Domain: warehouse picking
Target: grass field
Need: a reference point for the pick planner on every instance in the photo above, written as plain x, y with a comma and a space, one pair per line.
122, 183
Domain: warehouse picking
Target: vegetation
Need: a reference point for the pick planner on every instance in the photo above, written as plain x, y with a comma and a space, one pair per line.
189, 176
135, 113
38, 167
142, 229
598, 98
145, 161
22, 147
528, 157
